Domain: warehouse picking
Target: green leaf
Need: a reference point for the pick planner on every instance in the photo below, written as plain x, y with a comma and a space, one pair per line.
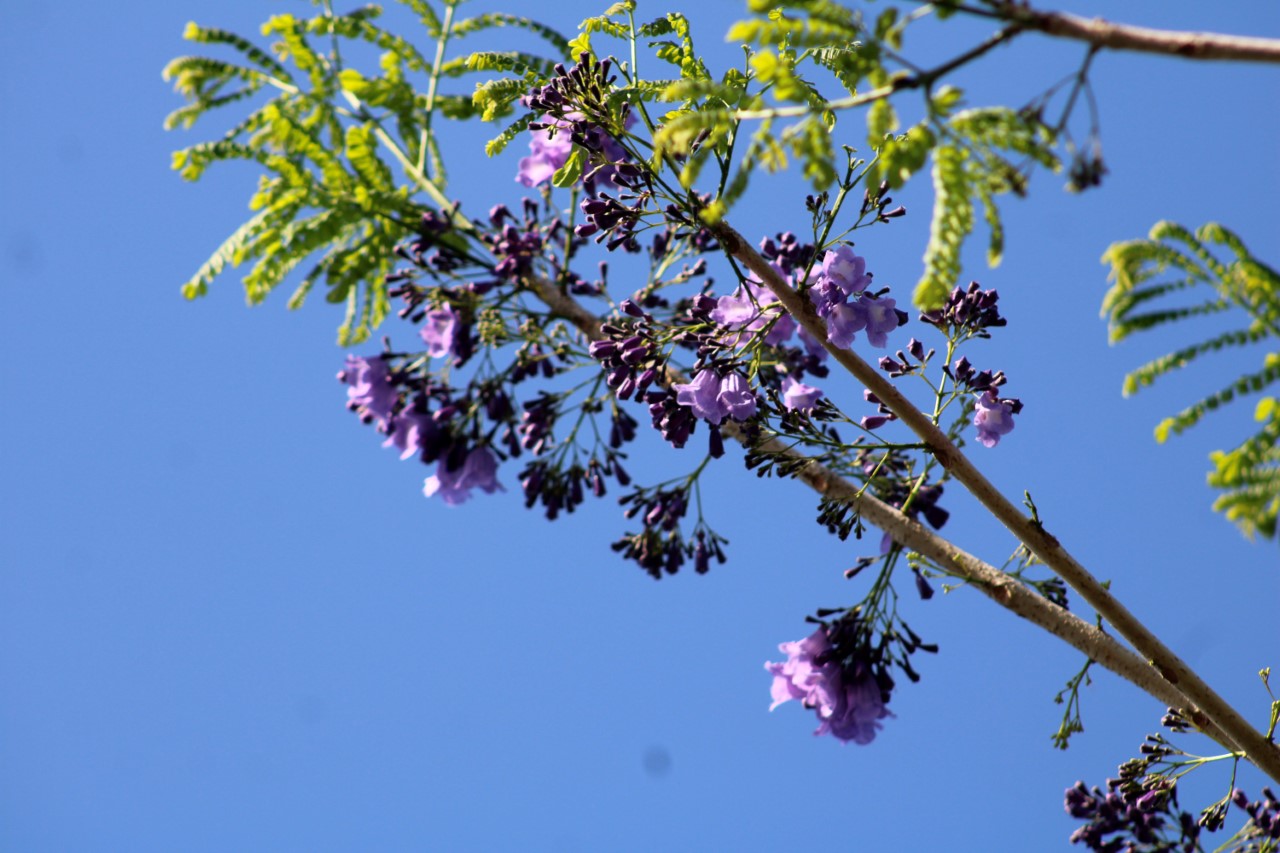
568, 174
494, 19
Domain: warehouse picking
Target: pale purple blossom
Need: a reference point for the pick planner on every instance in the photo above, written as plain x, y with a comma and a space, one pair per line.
548, 152
703, 396
371, 392
844, 321
550, 149
849, 707
882, 318
479, 471
439, 330
410, 430
993, 418
736, 396
749, 309
798, 396
858, 710
847, 270
713, 398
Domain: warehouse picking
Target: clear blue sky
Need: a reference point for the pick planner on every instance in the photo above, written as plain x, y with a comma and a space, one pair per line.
230, 621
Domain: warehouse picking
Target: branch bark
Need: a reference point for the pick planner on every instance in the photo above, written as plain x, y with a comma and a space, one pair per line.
1113, 36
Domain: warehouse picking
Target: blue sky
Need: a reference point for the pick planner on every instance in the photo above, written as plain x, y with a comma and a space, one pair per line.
229, 620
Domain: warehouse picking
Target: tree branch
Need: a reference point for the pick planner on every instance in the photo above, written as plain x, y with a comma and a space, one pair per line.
1104, 34
1171, 668
997, 585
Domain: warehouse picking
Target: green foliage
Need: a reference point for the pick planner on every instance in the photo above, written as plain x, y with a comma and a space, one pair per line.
1172, 276
952, 222
1249, 476
976, 165
329, 139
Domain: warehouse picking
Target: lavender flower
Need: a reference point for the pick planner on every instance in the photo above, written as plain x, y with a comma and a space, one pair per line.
548, 152
849, 705
439, 331
702, 395
372, 393
737, 398
713, 398
410, 432
478, 471
882, 318
844, 321
993, 418
846, 270
797, 396
749, 309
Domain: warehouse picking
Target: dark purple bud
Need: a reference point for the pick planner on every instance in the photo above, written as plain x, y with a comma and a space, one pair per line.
923, 587
716, 443
874, 421
601, 350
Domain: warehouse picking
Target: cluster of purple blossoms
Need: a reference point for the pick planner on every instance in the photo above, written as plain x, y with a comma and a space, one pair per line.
552, 143
479, 470
439, 331
372, 393
1130, 814
848, 700
841, 295
1264, 815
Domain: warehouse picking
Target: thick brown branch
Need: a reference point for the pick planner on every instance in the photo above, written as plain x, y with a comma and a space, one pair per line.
1105, 34
987, 579
1171, 668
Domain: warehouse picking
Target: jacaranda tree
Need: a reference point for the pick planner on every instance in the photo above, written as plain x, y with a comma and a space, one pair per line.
532, 363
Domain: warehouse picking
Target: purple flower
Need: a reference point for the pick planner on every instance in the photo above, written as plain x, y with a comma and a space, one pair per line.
439, 330
736, 396
714, 398
547, 153
799, 676
847, 270
844, 321
703, 396
410, 431
858, 710
371, 392
993, 418
798, 396
479, 471
749, 309
882, 318
848, 707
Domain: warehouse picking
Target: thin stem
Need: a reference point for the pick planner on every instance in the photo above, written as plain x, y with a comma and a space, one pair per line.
899, 84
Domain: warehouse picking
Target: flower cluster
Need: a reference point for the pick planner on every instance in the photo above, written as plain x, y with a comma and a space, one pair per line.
971, 311
1131, 816
1264, 816
836, 679
841, 295
479, 470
